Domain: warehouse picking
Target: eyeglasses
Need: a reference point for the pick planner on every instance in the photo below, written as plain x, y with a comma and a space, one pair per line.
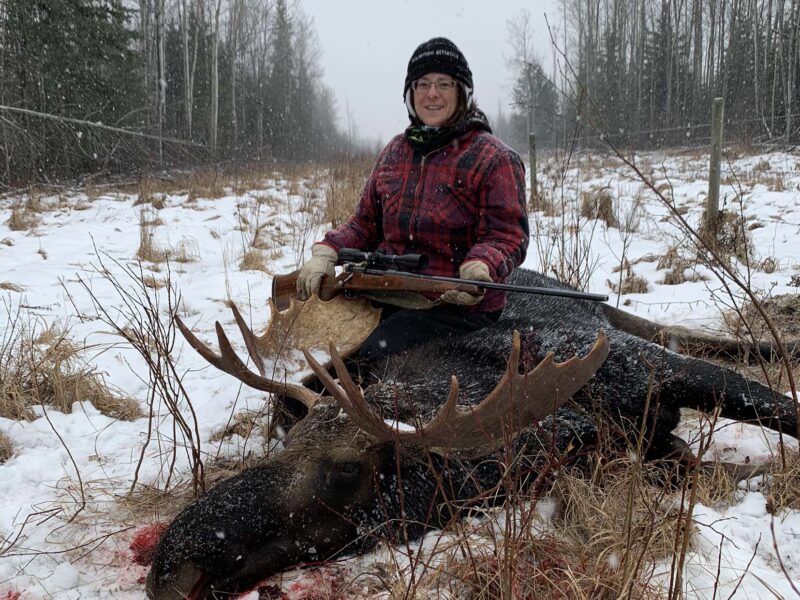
423, 86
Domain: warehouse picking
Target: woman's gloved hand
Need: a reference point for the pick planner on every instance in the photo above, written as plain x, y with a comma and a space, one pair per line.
322, 262
473, 269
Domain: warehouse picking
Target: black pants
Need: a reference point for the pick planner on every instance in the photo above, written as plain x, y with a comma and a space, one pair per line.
401, 329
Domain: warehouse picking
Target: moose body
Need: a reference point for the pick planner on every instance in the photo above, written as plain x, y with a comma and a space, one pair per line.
334, 489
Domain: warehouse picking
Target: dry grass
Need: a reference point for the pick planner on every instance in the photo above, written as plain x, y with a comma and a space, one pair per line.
11, 287
343, 187
599, 533
629, 282
187, 251
148, 249
677, 266
254, 260
48, 369
23, 217
203, 185
151, 192
732, 237
152, 282
243, 424
783, 309
6, 450
598, 203
148, 503
784, 484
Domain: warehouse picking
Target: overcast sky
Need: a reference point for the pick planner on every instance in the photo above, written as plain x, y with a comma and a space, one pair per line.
366, 45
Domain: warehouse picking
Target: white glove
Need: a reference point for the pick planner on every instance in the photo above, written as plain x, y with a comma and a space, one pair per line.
322, 262
473, 269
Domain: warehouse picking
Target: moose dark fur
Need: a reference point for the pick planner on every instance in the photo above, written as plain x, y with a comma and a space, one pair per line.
334, 490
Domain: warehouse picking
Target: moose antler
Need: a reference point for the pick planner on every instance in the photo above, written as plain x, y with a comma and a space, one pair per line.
275, 353
524, 398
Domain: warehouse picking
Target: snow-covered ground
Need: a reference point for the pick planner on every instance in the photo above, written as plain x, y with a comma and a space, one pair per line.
62, 492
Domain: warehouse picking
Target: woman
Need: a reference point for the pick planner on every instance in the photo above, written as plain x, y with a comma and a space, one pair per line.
446, 188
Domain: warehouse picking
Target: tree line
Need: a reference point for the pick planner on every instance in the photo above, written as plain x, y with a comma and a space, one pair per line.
647, 71
194, 79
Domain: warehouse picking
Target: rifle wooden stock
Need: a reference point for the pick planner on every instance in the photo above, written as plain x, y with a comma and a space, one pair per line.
284, 287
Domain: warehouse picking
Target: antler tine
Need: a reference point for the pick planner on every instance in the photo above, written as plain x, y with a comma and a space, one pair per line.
199, 346
524, 398
350, 399
249, 337
354, 404
230, 363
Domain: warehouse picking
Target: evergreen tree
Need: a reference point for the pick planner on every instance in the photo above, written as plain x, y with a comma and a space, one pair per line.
70, 58
281, 86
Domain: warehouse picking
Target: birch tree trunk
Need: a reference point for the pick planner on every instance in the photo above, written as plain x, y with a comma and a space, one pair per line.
161, 83
235, 26
215, 79
189, 59
791, 76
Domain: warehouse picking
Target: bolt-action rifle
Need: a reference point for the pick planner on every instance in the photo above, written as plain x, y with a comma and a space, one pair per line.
377, 272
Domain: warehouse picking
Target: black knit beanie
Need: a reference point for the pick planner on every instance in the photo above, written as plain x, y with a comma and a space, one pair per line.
438, 55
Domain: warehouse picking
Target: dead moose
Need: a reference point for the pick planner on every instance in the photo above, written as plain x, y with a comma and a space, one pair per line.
349, 475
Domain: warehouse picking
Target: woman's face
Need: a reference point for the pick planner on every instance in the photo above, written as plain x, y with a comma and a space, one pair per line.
435, 98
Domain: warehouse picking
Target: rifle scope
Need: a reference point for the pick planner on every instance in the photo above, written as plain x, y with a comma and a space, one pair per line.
378, 260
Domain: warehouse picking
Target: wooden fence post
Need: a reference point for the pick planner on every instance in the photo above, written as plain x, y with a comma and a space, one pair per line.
534, 199
712, 202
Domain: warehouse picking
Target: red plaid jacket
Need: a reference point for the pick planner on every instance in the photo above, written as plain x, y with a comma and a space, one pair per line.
464, 201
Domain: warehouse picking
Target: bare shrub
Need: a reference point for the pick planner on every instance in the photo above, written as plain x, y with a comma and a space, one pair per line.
145, 319
6, 450
597, 531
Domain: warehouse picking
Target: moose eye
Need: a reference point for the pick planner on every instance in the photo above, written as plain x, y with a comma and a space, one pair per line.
349, 468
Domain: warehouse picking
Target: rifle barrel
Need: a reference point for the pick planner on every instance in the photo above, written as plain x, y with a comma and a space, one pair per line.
353, 268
